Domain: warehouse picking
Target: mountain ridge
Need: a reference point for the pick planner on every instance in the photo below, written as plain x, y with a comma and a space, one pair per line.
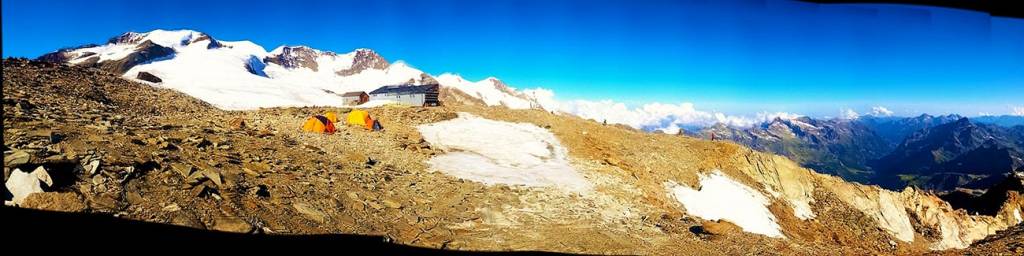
951, 154
888, 150
289, 75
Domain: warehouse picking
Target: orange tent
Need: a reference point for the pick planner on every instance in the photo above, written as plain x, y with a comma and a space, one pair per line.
369, 123
318, 124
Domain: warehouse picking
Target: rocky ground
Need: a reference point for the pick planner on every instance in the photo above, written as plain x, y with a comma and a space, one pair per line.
117, 147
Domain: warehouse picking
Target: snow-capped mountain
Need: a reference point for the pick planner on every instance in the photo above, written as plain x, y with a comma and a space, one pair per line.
491, 91
243, 75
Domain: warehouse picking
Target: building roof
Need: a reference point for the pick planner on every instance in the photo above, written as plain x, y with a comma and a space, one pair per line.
353, 94
406, 89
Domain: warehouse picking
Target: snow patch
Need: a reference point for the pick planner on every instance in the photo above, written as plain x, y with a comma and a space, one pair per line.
802, 209
1016, 215
171, 38
803, 125
104, 52
496, 152
720, 197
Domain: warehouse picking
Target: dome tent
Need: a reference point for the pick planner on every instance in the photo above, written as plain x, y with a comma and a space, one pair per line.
319, 124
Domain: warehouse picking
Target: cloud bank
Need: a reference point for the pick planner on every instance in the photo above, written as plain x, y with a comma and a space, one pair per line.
669, 118
848, 114
881, 111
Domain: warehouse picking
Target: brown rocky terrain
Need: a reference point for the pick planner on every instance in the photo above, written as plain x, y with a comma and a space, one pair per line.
122, 148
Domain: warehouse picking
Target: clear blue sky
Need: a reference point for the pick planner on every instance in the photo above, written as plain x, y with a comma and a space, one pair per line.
738, 56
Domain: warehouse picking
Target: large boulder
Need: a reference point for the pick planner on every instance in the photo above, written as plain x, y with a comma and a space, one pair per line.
146, 76
22, 184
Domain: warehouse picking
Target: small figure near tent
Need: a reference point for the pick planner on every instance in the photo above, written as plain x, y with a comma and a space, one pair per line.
376, 126
318, 124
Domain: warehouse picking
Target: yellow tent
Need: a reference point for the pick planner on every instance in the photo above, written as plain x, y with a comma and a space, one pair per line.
333, 117
358, 117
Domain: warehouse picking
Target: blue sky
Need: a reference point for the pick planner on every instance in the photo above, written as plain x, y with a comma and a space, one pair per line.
735, 56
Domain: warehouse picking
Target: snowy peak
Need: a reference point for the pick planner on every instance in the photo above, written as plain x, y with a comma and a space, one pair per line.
214, 44
126, 38
300, 49
297, 57
364, 59
293, 57
131, 48
166, 38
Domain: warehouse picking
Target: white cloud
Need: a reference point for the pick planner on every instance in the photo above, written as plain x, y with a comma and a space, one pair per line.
881, 111
1018, 111
544, 97
669, 118
848, 114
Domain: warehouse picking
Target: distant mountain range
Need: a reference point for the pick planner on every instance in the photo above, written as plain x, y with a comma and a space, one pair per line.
961, 153
1003, 120
836, 146
931, 152
243, 75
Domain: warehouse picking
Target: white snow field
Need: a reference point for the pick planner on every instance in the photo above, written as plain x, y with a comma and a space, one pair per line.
721, 198
235, 77
495, 152
219, 76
